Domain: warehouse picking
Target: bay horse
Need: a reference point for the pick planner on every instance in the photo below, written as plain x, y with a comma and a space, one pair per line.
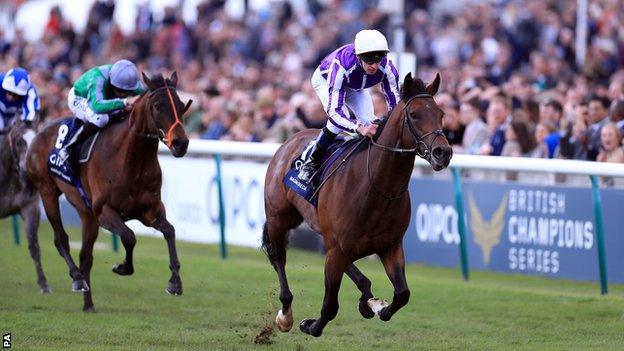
363, 209
123, 180
17, 194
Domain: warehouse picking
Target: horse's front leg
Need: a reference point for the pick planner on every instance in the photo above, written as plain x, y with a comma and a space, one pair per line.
111, 220
394, 263
364, 285
335, 265
157, 219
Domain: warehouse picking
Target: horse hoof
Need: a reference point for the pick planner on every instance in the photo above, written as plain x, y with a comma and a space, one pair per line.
80, 286
45, 290
174, 289
90, 309
310, 327
376, 304
385, 314
123, 269
365, 310
284, 322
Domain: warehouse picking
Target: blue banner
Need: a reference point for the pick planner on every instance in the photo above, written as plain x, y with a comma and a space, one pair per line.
515, 228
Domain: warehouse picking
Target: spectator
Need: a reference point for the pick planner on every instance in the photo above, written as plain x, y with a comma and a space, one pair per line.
610, 144
475, 134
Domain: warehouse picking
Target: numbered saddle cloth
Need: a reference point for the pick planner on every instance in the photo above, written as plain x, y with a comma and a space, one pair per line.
68, 171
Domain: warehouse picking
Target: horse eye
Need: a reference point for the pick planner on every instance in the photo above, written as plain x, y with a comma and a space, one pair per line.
414, 115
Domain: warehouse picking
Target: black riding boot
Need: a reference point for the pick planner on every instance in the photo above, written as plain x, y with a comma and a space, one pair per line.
313, 161
87, 130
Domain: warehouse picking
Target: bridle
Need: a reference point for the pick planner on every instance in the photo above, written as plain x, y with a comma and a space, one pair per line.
425, 150
161, 135
424, 153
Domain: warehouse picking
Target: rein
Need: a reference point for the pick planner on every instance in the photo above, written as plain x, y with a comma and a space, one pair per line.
423, 152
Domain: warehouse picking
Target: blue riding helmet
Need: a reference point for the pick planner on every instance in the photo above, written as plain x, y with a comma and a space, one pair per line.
124, 75
16, 81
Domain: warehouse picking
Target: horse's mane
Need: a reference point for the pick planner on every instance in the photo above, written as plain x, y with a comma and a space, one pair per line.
418, 87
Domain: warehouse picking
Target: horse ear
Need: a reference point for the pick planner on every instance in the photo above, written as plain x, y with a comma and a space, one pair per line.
147, 81
408, 81
174, 78
432, 88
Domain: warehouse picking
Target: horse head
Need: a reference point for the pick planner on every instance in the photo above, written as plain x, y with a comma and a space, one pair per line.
165, 109
423, 118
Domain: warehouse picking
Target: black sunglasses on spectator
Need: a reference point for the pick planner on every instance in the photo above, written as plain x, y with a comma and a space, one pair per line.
373, 57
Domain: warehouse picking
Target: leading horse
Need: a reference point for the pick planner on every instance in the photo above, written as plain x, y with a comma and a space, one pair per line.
123, 180
18, 195
363, 209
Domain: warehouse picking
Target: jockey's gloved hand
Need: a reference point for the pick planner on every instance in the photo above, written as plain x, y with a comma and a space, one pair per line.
28, 123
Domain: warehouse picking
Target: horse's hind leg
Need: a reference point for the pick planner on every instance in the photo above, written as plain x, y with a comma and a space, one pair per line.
112, 221
157, 219
61, 239
30, 214
335, 266
394, 263
364, 285
89, 235
274, 244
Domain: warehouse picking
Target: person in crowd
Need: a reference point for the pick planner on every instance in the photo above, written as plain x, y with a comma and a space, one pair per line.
610, 144
475, 134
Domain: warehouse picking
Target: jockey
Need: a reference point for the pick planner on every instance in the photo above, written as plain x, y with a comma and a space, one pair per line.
341, 81
17, 93
102, 93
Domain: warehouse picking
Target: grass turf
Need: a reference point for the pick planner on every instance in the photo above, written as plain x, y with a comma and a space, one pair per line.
228, 302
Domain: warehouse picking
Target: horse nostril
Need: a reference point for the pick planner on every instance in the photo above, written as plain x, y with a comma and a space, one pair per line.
440, 153
180, 144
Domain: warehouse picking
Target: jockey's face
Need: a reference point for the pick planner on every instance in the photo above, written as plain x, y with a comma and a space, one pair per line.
12, 97
370, 68
121, 93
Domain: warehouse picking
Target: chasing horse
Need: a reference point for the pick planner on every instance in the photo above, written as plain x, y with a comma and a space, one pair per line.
121, 180
362, 209
17, 194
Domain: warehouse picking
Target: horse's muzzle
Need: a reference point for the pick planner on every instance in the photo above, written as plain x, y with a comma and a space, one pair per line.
441, 157
179, 147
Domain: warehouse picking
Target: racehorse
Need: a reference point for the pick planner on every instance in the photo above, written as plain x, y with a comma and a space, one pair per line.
123, 180
363, 209
17, 194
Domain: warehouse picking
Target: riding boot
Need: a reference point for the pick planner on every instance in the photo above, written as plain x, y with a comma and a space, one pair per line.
87, 130
313, 160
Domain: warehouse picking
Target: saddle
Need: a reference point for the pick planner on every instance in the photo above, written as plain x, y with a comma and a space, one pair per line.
343, 145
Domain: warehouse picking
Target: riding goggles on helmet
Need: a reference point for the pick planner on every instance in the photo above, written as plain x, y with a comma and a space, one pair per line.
373, 57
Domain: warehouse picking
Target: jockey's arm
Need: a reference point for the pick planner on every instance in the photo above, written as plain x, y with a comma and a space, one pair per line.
390, 85
335, 110
96, 99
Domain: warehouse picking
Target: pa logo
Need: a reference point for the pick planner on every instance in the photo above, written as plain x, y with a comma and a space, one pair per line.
6, 341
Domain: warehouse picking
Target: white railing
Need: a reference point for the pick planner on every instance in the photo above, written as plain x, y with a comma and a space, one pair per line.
266, 150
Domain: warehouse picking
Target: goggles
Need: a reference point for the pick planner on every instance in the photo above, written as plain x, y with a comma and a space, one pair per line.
373, 57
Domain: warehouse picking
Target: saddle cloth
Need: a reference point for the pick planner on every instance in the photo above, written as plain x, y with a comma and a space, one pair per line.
342, 145
68, 171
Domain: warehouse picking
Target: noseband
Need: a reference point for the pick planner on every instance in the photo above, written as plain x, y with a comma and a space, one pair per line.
421, 149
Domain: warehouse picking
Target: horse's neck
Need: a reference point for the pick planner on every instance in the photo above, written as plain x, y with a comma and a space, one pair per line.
390, 171
138, 148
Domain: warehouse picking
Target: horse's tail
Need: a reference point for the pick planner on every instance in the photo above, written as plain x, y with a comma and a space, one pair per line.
267, 246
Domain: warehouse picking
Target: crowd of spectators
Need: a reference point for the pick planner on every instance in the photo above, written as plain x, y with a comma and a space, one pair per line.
511, 83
